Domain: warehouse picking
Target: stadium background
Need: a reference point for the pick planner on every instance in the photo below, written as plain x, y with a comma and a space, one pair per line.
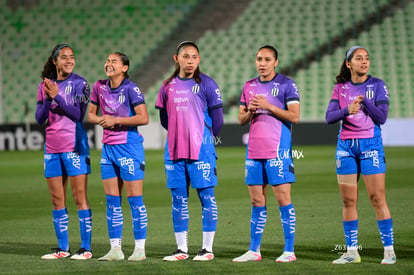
311, 36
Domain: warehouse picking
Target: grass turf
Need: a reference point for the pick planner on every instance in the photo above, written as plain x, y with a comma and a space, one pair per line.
26, 230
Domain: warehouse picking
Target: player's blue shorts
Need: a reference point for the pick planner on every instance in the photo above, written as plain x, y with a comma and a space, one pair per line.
66, 164
365, 155
126, 161
200, 173
269, 171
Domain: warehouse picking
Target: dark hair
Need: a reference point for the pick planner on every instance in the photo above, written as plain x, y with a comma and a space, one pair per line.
345, 73
181, 46
269, 47
125, 62
49, 69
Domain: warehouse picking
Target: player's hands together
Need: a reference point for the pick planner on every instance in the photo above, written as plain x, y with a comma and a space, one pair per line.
51, 88
260, 102
355, 105
107, 122
251, 108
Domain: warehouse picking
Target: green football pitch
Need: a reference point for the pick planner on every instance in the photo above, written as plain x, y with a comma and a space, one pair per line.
26, 230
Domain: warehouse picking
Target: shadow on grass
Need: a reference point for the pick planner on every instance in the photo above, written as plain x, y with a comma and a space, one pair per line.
98, 250
307, 252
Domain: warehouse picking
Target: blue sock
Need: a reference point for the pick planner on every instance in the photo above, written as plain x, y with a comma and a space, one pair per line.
351, 233
179, 211
288, 219
60, 223
386, 232
257, 224
139, 217
85, 226
114, 216
209, 206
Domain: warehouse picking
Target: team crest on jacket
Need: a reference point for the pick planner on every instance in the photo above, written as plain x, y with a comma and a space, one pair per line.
195, 89
369, 93
69, 87
121, 98
275, 91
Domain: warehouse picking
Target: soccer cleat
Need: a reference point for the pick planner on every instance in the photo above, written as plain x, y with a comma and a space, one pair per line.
203, 256
82, 254
286, 257
348, 258
56, 254
115, 254
178, 255
249, 256
137, 255
389, 258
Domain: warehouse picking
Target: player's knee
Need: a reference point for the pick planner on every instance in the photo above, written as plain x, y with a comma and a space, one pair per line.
284, 201
81, 200
349, 202
377, 200
257, 202
58, 201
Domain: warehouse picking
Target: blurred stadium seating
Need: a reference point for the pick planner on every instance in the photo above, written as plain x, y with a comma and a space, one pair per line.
311, 36
94, 28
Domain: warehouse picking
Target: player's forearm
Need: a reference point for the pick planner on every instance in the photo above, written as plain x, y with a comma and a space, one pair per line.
93, 118
245, 117
42, 111
164, 118
286, 115
71, 111
377, 113
334, 113
137, 120
217, 120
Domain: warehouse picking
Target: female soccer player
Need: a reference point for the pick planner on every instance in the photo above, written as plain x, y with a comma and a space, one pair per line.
191, 111
270, 103
122, 162
360, 101
62, 99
